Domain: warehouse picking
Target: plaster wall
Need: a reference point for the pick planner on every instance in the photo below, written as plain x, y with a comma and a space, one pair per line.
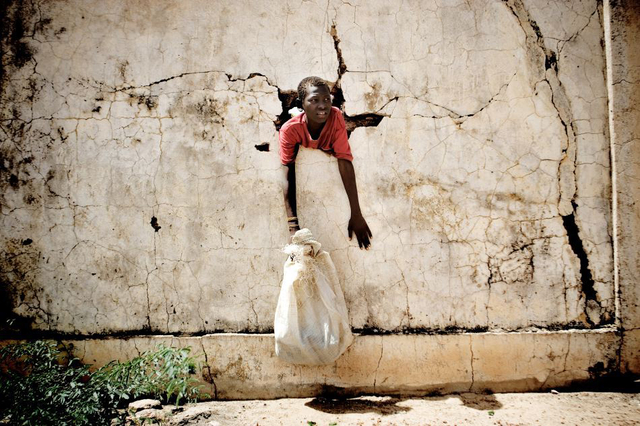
135, 198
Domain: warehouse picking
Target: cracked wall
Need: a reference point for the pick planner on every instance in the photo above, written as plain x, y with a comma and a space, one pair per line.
140, 188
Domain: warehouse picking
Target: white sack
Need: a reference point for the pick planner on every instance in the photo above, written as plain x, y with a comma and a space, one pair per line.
311, 324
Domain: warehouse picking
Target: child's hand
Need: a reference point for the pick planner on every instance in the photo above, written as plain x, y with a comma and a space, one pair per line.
359, 226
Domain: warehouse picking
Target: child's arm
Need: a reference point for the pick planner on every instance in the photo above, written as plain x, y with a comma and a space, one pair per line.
288, 152
357, 224
289, 192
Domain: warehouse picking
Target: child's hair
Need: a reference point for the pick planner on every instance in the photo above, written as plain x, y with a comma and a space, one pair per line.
310, 82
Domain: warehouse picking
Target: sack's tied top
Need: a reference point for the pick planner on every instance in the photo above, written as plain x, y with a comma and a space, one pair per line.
300, 241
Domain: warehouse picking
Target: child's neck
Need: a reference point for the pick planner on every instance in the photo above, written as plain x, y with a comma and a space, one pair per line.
315, 129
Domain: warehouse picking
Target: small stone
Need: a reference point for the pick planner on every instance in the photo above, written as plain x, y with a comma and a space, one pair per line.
555, 392
191, 414
151, 413
144, 404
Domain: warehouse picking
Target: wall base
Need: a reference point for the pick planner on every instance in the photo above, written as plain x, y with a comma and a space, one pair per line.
244, 366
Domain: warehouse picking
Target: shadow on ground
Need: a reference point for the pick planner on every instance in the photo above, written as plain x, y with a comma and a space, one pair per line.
387, 405
479, 401
379, 405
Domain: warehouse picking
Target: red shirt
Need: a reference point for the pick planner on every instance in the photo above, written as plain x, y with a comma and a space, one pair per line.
333, 138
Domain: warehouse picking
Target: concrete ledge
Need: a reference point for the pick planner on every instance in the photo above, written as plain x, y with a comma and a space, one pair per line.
244, 366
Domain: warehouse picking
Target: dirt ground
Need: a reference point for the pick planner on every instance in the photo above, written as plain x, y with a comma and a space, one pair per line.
509, 409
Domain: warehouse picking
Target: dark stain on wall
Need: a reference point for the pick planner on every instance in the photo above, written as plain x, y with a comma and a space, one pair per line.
21, 172
154, 224
22, 301
21, 22
263, 147
13, 170
15, 51
149, 101
17, 262
208, 110
122, 68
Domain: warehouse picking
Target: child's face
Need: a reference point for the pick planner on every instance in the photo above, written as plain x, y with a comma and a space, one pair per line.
317, 104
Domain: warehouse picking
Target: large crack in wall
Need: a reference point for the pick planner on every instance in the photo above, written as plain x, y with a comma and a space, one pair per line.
567, 167
592, 306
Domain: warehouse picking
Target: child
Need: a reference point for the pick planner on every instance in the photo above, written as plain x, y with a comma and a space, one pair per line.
320, 126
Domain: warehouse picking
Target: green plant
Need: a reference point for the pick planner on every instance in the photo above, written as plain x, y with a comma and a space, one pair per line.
165, 374
40, 385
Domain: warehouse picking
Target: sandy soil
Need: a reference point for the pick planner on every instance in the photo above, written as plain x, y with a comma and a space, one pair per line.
564, 408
